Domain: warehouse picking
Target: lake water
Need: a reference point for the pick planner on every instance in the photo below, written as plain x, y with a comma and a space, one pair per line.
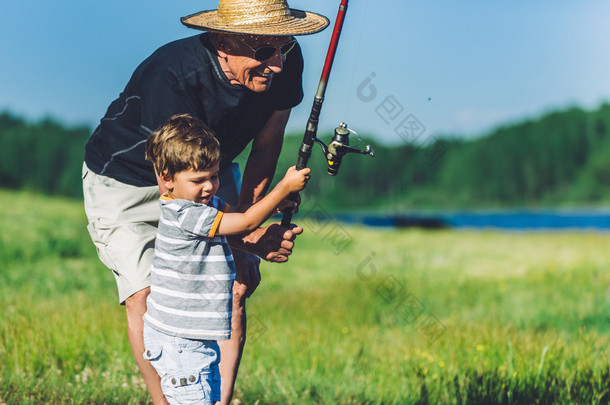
515, 220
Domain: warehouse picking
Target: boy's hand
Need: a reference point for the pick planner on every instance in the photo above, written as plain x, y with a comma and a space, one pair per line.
296, 180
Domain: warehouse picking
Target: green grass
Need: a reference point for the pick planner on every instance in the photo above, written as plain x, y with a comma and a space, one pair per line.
397, 317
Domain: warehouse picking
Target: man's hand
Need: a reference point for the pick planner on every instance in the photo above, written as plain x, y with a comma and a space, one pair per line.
273, 243
248, 275
292, 201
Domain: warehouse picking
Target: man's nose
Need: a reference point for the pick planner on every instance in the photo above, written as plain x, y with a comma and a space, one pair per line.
276, 62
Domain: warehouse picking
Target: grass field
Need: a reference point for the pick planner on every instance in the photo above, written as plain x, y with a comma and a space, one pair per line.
358, 316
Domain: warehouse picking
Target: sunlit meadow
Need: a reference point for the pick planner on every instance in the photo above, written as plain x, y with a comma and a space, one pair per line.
358, 316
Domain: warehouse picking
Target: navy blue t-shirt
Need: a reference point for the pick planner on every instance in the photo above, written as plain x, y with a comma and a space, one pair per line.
185, 76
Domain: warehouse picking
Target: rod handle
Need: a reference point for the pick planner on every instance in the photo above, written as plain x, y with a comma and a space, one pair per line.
287, 217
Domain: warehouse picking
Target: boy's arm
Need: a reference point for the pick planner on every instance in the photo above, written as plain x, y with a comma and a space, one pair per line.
235, 223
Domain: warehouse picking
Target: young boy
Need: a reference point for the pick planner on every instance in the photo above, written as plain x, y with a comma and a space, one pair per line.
189, 306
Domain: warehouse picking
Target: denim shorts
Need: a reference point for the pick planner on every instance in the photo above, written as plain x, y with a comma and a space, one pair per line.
188, 367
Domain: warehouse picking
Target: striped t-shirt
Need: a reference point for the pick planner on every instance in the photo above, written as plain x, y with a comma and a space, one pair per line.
192, 272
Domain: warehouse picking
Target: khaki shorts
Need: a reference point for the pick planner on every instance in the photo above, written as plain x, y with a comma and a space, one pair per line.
123, 224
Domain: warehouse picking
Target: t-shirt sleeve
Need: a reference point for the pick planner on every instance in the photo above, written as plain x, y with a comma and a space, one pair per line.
289, 91
222, 208
200, 220
203, 220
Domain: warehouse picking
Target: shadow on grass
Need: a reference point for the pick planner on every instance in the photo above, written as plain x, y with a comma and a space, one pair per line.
476, 387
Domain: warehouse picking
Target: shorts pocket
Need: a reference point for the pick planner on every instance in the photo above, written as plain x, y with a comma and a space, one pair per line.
153, 352
188, 388
99, 236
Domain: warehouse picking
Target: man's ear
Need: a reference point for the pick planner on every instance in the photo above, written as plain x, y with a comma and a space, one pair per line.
220, 42
221, 53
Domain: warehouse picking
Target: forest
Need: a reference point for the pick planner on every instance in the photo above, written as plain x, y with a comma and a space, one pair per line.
557, 159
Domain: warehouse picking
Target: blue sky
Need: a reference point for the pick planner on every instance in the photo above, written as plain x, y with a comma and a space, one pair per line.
450, 67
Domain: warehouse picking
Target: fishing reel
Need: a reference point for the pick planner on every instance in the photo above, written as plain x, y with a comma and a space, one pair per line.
339, 147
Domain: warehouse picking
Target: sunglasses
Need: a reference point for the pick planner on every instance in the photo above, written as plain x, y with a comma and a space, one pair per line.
262, 53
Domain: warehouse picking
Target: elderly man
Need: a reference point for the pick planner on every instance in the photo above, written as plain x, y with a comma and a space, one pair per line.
241, 78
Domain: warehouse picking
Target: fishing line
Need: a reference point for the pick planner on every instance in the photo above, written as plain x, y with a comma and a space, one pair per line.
349, 98
356, 133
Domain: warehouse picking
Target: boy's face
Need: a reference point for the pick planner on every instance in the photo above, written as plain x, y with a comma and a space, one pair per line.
193, 185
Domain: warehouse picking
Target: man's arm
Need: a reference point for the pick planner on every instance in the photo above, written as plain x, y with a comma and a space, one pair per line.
272, 243
236, 222
262, 160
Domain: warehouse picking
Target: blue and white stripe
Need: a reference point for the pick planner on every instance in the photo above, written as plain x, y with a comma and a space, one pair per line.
192, 273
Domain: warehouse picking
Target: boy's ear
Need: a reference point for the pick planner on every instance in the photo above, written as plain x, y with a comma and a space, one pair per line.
167, 180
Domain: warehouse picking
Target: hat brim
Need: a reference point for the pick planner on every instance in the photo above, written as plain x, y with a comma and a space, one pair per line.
299, 23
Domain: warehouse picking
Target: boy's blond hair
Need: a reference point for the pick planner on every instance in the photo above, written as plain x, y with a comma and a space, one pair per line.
183, 143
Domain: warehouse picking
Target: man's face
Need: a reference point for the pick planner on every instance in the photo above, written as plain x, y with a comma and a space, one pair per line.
237, 59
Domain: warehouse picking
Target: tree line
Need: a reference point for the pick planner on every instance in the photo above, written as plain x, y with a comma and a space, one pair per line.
562, 157
43, 156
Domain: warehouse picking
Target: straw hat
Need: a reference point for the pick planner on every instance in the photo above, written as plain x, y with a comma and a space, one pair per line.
258, 17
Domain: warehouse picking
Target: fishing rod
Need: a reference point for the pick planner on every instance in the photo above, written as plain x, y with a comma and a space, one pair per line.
339, 145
